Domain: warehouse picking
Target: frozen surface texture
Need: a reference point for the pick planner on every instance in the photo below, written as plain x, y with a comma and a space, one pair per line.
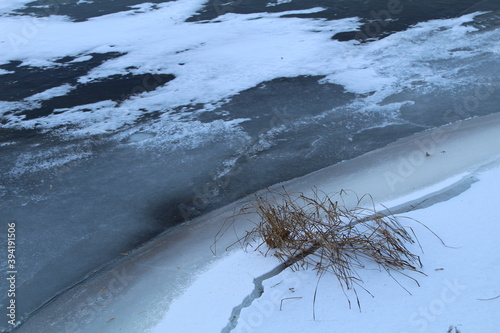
149, 284
120, 119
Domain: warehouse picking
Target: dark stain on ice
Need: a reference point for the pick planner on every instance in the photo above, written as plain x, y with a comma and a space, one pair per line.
116, 88
279, 102
379, 18
26, 81
373, 138
78, 10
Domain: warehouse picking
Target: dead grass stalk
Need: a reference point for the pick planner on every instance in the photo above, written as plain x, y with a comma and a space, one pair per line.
324, 233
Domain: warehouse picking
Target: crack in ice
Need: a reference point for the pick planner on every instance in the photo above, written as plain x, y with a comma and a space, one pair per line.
438, 196
256, 293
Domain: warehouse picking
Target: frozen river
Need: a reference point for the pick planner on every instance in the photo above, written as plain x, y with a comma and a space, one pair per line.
120, 121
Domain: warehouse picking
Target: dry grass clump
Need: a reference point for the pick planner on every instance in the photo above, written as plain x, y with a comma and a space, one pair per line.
324, 233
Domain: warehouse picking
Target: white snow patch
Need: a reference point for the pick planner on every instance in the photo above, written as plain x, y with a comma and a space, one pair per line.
360, 81
218, 296
456, 277
277, 3
51, 93
10, 5
81, 59
3, 71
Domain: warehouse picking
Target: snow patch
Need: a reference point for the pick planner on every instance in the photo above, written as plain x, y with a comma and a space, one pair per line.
277, 3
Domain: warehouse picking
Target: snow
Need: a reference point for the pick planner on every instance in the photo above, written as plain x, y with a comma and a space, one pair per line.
3, 71
8, 6
457, 278
256, 47
46, 160
210, 289
212, 62
360, 81
201, 288
277, 3
50, 93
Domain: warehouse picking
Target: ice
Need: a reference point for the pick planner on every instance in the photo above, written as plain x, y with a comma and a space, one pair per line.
257, 99
258, 47
148, 284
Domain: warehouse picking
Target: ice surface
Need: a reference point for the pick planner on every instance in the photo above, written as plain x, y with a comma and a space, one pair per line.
133, 294
257, 47
257, 98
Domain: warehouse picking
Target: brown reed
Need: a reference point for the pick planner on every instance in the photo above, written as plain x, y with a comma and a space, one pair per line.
325, 233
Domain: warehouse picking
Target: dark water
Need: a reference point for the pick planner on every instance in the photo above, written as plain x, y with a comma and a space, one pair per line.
381, 17
117, 88
80, 11
27, 80
75, 217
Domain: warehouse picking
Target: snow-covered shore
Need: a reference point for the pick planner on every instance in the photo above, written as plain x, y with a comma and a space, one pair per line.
176, 284
457, 293
460, 291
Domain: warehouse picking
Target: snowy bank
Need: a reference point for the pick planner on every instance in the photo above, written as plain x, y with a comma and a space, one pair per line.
459, 294
176, 284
